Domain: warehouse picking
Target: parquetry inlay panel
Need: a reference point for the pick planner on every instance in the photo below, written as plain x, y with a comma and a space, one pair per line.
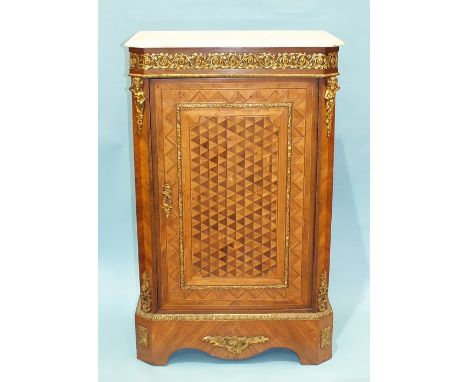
243, 180
234, 169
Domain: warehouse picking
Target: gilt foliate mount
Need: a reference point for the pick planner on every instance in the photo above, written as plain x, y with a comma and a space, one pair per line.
330, 94
139, 96
234, 344
145, 293
233, 60
323, 292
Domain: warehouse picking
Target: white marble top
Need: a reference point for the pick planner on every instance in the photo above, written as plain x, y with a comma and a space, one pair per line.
233, 39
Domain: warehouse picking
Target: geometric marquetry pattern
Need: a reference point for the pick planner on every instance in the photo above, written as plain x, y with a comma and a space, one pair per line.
234, 185
167, 164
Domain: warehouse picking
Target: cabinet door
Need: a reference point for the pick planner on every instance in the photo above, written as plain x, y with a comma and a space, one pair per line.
234, 162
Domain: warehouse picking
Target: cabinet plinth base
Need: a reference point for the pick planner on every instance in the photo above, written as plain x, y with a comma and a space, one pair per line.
234, 336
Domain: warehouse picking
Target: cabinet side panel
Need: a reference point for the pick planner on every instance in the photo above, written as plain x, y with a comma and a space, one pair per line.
326, 103
143, 189
310, 184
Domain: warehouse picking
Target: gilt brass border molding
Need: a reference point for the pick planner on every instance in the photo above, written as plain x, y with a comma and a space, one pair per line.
167, 199
234, 75
232, 316
190, 105
234, 60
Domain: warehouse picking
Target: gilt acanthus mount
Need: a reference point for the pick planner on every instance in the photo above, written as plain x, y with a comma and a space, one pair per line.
234, 60
139, 95
234, 344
